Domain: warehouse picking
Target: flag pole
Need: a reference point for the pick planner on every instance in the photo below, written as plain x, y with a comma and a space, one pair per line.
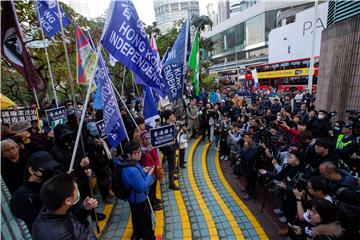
36, 98
84, 111
123, 82
69, 72
135, 86
127, 109
66, 56
47, 58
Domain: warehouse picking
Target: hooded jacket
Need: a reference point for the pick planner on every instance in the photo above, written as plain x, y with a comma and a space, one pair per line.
135, 179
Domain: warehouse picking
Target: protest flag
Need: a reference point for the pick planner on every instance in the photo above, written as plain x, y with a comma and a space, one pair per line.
49, 18
125, 39
13, 48
175, 66
85, 57
194, 62
114, 125
150, 110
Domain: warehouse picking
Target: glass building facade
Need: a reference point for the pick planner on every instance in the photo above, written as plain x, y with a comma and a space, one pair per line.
245, 40
167, 12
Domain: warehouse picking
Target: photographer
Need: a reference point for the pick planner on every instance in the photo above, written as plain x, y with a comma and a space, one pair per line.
321, 126
294, 175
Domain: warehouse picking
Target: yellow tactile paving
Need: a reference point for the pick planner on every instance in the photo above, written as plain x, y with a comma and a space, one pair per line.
207, 215
128, 229
249, 215
231, 219
107, 211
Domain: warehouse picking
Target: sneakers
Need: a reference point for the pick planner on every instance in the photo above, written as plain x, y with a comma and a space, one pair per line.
226, 158
222, 157
278, 211
282, 219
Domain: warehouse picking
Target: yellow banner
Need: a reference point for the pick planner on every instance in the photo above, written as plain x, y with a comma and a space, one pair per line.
284, 73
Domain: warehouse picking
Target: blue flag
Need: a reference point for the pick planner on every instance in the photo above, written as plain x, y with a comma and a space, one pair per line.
125, 39
114, 126
48, 15
175, 66
150, 109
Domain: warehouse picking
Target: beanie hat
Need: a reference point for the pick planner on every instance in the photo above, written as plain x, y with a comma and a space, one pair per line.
144, 134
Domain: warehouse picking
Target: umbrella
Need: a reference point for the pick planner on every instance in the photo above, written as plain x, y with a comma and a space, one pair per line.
6, 102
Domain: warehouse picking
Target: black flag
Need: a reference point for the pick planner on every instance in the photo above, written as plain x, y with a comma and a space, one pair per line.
13, 48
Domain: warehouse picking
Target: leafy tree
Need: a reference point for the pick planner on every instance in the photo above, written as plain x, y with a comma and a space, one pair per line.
30, 27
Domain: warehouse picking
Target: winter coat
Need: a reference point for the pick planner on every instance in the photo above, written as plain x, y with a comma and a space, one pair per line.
26, 203
320, 128
192, 111
149, 158
136, 180
13, 172
49, 226
330, 231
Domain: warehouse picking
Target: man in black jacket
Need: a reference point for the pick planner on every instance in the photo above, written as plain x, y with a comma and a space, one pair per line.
60, 194
25, 203
321, 126
248, 155
169, 150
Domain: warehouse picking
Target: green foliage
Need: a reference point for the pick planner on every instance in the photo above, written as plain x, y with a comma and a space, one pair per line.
208, 81
30, 27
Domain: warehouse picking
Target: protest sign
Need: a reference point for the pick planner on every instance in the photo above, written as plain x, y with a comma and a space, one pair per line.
56, 116
162, 135
18, 115
100, 125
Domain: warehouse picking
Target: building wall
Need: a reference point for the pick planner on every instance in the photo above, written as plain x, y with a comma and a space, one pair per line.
293, 41
339, 72
167, 12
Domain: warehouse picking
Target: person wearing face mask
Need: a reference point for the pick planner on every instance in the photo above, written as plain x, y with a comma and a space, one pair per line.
25, 202
321, 126
346, 146
58, 218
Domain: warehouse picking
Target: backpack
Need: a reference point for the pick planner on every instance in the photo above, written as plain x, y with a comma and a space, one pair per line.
118, 186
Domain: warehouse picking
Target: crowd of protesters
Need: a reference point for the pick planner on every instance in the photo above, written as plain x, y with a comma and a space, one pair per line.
278, 139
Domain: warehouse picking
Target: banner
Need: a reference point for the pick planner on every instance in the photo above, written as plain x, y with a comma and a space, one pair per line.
175, 66
85, 57
114, 126
100, 125
13, 48
125, 39
56, 116
18, 115
285, 73
48, 15
162, 135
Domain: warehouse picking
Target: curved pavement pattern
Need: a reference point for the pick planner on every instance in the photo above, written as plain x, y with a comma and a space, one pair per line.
205, 208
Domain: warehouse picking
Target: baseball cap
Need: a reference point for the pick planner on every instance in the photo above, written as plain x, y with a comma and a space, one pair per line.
42, 160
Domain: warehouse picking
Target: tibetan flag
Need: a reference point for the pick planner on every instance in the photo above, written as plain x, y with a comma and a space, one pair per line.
85, 57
